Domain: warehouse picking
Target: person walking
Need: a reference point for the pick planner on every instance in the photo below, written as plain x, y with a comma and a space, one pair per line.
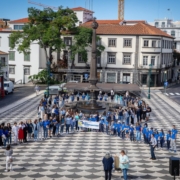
153, 144
36, 88
8, 153
108, 165
124, 163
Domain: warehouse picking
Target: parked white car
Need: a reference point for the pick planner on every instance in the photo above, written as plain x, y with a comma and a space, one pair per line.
8, 87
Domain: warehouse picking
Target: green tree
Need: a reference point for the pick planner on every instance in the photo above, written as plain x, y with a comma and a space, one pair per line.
42, 77
83, 40
46, 28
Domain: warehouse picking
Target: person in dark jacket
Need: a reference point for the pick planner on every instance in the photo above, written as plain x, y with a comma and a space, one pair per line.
108, 165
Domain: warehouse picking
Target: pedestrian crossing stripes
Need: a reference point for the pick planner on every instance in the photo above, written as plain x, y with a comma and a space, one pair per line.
172, 94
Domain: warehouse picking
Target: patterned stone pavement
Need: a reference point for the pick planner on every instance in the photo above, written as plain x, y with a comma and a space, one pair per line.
79, 155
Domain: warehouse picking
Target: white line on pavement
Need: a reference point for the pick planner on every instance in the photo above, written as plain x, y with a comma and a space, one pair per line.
171, 94
177, 94
166, 94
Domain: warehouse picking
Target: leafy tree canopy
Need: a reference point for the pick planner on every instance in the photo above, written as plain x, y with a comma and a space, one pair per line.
45, 27
42, 77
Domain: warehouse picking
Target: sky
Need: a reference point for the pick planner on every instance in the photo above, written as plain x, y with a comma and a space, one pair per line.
104, 9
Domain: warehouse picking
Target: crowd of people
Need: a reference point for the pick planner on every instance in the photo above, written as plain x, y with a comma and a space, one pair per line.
53, 120
128, 122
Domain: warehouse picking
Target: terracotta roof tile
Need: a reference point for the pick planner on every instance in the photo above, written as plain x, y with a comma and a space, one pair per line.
104, 22
137, 29
81, 9
3, 53
23, 20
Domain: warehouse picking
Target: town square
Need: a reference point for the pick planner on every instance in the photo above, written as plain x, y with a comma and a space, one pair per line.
88, 93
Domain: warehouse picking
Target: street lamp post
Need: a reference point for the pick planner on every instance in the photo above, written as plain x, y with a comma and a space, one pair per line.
150, 68
48, 71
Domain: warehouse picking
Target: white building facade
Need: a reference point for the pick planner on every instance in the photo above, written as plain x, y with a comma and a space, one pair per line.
130, 47
127, 56
172, 28
4, 69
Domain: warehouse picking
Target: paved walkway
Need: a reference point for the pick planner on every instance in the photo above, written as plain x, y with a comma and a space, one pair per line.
78, 155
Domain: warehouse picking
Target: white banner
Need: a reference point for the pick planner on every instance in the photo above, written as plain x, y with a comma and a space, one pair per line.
88, 124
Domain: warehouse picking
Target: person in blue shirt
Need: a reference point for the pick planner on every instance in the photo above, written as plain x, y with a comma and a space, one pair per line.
138, 132
119, 128
168, 139
157, 137
83, 96
120, 114
101, 124
68, 122
115, 129
173, 138
55, 125
127, 131
45, 128
161, 136
56, 111
131, 130
6, 133
149, 135
144, 133
106, 126
123, 130
62, 123
112, 128
72, 97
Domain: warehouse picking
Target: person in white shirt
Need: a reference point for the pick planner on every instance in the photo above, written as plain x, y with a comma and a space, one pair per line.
112, 95
37, 90
15, 130
153, 143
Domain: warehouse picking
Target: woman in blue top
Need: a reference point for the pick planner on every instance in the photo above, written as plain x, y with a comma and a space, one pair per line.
161, 135
138, 132
76, 117
83, 96
157, 137
62, 123
124, 163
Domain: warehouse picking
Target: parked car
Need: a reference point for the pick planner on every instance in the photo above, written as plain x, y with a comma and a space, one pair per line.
8, 87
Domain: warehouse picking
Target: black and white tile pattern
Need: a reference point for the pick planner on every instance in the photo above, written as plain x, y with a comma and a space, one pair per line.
79, 155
